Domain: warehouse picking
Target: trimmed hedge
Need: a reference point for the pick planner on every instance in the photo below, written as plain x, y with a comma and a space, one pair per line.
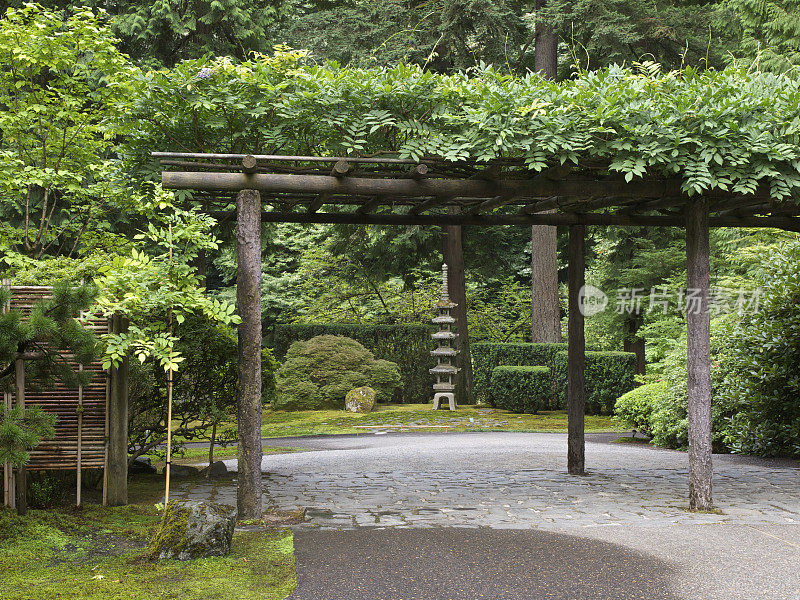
407, 345
487, 356
609, 375
521, 389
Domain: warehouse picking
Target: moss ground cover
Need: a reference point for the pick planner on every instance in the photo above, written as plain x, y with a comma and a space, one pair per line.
277, 423
98, 553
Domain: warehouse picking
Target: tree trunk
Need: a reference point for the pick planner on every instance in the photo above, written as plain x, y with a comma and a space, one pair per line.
698, 358
453, 253
211, 449
545, 307
546, 48
631, 342
576, 353
117, 480
248, 401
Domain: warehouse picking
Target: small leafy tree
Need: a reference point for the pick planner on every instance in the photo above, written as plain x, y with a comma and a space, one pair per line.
58, 89
159, 282
204, 397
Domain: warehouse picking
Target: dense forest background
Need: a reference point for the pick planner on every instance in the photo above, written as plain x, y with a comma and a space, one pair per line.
95, 216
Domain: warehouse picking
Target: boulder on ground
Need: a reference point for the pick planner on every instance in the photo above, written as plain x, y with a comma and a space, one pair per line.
182, 471
217, 469
361, 400
142, 464
191, 529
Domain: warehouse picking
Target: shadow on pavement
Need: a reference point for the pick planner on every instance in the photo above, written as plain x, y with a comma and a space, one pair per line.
470, 564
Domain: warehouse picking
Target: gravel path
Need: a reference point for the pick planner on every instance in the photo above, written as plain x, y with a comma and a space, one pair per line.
494, 515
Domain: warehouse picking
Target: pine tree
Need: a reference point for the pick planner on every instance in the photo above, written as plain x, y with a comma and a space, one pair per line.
770, 31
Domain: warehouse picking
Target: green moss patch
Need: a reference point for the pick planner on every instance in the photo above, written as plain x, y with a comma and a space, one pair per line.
99, 554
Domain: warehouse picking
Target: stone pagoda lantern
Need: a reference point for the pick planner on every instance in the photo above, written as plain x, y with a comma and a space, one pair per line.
445, 352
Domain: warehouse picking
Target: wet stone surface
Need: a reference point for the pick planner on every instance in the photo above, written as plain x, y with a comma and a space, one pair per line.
480, 480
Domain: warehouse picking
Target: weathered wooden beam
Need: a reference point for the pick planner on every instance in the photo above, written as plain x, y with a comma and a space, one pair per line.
317, 203
287, 158
369, 205
418, 171
318, 184
341, 168
248, 391
425, 205
490, 204
698, 356
786, 223
249, 163
117, 476
576, 352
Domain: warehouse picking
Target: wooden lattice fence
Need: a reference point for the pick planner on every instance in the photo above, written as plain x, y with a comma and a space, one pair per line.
81, 431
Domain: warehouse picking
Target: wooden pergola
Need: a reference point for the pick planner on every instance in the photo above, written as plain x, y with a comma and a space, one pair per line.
394, 191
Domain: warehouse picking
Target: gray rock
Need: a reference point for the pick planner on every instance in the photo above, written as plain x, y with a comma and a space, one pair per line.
183, 471
360, 400
191, 529
141, 465
218, 469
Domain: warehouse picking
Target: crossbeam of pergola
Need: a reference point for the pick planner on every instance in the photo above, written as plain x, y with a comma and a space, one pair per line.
397, 191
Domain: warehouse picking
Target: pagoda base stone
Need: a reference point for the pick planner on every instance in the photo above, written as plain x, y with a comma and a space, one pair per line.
450, 396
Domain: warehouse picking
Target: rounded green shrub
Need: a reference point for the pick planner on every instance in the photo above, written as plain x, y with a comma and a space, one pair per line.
634, 409
319, 372
521, 389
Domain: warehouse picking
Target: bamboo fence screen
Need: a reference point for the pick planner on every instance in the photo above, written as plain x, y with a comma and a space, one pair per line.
81, 432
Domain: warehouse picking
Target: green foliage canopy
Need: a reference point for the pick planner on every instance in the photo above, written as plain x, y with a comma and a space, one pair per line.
726, 130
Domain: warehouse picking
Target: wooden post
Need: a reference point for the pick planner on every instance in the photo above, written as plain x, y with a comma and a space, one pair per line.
576, 353
698, 357
248, 400
22, 472
453, 254
79, 456
9, 494
117, 466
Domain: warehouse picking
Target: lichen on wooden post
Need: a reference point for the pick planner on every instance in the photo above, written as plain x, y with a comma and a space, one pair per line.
248, 400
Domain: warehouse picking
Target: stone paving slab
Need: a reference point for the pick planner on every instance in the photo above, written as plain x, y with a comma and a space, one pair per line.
626, 485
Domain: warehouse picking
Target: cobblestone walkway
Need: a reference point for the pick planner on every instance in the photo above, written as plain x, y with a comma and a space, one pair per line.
477, 480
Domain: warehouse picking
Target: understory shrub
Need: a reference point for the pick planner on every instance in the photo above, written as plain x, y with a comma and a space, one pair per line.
521, 389
319, 372
634, 409
407, 345
487, 356
608, 376
204, 393
760, 380
669, 421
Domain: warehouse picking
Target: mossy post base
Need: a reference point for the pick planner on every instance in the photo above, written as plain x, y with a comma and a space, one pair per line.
248, 393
